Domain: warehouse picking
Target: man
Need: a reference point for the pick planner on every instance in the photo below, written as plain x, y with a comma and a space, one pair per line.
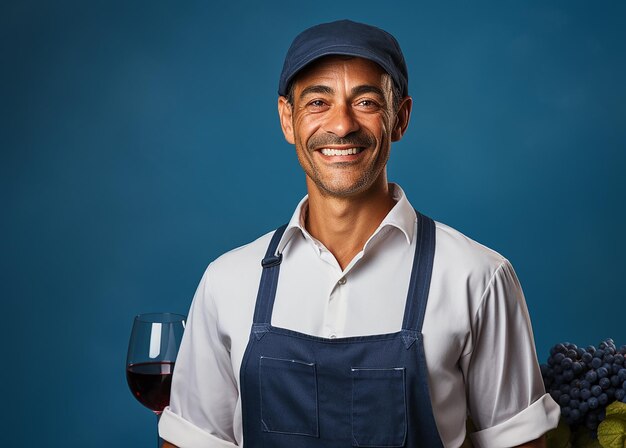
362, 322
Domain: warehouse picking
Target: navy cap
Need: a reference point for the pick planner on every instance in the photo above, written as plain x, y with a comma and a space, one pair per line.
345, 37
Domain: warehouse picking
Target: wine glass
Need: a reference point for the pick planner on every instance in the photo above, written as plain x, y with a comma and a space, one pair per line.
154, 342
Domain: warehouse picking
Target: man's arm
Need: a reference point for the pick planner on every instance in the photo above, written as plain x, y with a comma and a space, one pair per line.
204, 392
495, 379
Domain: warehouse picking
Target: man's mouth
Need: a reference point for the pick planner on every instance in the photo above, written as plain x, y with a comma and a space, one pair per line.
340, 152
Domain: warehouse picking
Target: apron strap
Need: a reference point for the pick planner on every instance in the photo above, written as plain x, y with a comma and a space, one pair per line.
269, 280
417, 297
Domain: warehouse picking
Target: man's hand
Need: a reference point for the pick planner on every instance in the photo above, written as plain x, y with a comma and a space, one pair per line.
168, 445
538, 443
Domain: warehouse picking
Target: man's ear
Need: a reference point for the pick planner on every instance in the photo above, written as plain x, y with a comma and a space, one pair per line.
402, 118
285, 112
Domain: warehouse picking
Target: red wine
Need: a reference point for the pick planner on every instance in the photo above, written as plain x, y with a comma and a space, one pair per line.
150, 383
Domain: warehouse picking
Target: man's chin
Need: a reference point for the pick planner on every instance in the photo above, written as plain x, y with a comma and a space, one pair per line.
341, 190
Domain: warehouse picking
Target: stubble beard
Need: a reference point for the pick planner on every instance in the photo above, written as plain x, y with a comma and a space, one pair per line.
336, 188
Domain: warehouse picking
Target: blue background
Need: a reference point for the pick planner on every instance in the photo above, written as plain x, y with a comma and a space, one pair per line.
139, 140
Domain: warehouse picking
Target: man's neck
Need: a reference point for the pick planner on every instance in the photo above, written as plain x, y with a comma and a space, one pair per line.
344, 225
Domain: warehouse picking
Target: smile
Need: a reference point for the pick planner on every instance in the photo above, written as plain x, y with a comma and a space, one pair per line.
340, 152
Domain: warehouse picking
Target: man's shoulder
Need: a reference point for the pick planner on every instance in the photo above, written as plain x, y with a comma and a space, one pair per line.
237, 272
464, 253
244, 257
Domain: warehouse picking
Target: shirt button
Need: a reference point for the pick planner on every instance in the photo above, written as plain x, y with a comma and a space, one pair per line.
342, 281
332, 336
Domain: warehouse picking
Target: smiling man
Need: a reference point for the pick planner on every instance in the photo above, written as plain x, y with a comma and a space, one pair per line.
361, 322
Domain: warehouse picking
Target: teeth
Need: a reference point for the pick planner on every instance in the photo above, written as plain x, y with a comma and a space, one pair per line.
340, 152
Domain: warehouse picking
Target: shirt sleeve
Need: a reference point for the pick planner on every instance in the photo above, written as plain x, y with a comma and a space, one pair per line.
204, 389
506, 396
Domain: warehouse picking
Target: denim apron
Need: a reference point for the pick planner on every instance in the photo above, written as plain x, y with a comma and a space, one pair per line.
301, 391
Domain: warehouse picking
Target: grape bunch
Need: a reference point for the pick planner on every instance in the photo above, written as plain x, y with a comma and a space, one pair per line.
583, 381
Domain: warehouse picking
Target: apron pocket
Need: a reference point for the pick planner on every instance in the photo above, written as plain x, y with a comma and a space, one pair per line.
288, 396
378, 407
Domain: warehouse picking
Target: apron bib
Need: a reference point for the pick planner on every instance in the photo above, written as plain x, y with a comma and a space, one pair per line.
303, 391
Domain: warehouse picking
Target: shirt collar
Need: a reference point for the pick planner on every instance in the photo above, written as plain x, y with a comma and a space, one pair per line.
402, 217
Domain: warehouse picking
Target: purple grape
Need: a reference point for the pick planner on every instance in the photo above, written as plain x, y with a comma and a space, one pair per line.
596, 363
558, 348
591, 376
584, 394
596, 390
577, 367
566, 363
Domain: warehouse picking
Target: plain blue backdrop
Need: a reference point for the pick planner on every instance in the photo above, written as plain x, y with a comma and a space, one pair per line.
139, 140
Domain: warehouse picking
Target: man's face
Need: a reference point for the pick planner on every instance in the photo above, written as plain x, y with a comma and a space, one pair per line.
342, 124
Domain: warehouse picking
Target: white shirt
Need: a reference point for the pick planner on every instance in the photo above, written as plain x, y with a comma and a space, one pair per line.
478, 339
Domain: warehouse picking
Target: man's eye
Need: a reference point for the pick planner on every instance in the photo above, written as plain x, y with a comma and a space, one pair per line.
369, 104
317, 106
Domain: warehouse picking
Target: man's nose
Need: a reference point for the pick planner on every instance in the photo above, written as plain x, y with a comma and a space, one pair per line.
341, 121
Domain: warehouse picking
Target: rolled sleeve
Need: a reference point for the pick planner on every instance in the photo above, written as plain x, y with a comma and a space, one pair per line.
507, 399
530, 424
187, 435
